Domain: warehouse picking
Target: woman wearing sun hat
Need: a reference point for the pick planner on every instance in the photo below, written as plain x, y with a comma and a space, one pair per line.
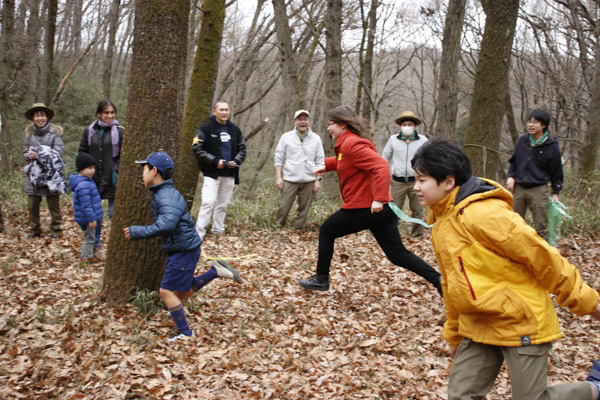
42, 132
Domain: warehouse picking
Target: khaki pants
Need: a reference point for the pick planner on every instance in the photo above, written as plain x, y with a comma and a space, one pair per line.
477, 365
399, 192
291, 190
536, 199
33, 206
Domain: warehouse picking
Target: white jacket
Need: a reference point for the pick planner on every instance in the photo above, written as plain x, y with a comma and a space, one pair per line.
299, 158
399, 154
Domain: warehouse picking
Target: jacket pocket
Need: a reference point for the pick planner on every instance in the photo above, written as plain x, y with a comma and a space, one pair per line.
464, 272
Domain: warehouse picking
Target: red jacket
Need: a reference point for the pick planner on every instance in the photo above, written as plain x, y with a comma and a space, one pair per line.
364, 174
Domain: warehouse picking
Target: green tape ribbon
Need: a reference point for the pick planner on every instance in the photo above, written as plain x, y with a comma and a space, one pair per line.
556, 209
405, 217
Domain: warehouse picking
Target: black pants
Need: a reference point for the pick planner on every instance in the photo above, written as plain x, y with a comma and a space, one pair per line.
384, 226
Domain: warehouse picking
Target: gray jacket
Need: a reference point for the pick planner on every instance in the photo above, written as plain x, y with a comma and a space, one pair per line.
398, 153
299, 158
51, 139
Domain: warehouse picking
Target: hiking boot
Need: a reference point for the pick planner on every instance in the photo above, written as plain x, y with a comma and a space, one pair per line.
594, 377
316, 282
180, 337
226, 271
33, 235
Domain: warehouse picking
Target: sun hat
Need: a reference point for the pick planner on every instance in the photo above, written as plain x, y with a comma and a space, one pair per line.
39, 107
410, 116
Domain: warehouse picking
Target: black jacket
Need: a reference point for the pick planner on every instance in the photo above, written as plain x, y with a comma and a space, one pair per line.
538, 165
101, 150
207, 148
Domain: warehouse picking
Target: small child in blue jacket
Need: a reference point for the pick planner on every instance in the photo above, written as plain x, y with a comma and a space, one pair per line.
180, 241
87, 204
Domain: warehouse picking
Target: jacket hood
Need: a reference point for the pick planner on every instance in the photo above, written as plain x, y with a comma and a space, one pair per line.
76, 179
214, 120
58, 131
472, 190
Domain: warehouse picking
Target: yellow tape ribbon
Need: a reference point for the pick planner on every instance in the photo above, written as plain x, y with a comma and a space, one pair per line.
226, 258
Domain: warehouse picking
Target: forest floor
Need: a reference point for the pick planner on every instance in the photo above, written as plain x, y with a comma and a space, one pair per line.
375, 335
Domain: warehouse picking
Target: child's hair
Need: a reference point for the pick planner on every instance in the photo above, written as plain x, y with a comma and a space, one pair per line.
103, 104
346, 115
165, 175
441, 157
542, 116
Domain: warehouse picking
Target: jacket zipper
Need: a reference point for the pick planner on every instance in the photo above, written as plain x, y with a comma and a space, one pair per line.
462, 269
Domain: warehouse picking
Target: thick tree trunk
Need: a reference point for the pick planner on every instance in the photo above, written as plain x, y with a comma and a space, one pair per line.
34, 34
447, 106
361, 61
289, 69
45, 92
112, 33
200, 95
589, 152
487, 106
368, 70
77, 20
510, 117
6, 80
333, 85
154, 115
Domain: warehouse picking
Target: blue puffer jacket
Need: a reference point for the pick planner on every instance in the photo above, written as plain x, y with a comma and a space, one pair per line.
171, 221
87, 204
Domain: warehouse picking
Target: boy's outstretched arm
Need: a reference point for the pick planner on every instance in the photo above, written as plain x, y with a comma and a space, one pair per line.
165, 223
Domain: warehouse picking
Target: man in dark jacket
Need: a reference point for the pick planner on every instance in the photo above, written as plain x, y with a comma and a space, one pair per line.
535, 162
220, 148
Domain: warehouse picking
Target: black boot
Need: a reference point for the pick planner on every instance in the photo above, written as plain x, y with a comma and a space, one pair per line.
316, 282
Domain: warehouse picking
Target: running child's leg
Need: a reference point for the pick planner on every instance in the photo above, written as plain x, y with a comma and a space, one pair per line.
219, 269
175, 307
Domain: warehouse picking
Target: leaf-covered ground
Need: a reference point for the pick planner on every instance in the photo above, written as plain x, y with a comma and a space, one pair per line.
375, 335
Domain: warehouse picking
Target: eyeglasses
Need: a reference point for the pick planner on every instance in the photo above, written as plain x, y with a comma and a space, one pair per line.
331, 123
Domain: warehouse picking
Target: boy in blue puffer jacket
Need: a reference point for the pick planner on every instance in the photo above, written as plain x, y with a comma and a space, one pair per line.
180, 241
87, 204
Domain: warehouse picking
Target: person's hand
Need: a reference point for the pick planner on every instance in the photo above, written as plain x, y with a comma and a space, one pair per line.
279, 183
452, 350
596, 313
221, 164
231, 164
32, 155
376, 206
92, 224
510, 183
126, 231
317, 186
320, 170
555, 197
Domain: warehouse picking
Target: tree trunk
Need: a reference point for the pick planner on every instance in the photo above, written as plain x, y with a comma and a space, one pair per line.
368, 70
333, 85
200, 95
112, 33
77, 19
589, 152
447, 106
45, 92
154, 115
510, 117
6, 80
289, 70
487, 106
361, 61
34, 34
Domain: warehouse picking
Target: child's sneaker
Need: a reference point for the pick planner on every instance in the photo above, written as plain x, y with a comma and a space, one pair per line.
594, 377
180, 336
226, 271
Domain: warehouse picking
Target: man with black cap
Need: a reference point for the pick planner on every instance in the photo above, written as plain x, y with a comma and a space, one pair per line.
398, 152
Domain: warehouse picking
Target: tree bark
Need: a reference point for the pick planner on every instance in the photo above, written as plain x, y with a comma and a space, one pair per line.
154, 116
34, 32
289, 70
113, 25
77, 19
447, 106
487, 106
368, 69
589, 152
510, 117
46, 80
333, 85
200, 95
6, 80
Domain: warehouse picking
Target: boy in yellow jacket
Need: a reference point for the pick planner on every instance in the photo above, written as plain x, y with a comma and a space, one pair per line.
496, 275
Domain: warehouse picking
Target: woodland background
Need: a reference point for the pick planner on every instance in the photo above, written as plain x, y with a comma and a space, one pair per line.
470, 69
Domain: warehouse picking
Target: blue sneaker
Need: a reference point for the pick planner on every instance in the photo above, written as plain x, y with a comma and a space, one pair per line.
594, 378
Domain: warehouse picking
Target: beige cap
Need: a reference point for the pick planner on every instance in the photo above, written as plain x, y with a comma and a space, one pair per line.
39, 107
408, 115
299, 112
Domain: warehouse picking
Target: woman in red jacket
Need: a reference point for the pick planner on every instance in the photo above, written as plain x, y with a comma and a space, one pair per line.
364, 182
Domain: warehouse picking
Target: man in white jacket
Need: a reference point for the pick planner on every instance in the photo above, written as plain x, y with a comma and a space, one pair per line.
298, 154
398, 152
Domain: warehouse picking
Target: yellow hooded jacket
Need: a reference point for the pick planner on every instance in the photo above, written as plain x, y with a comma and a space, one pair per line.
497, 271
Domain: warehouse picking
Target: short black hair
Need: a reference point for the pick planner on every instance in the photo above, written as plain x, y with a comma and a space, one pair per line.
441, 157
165, 175
103, 104
542, 116
217, 102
